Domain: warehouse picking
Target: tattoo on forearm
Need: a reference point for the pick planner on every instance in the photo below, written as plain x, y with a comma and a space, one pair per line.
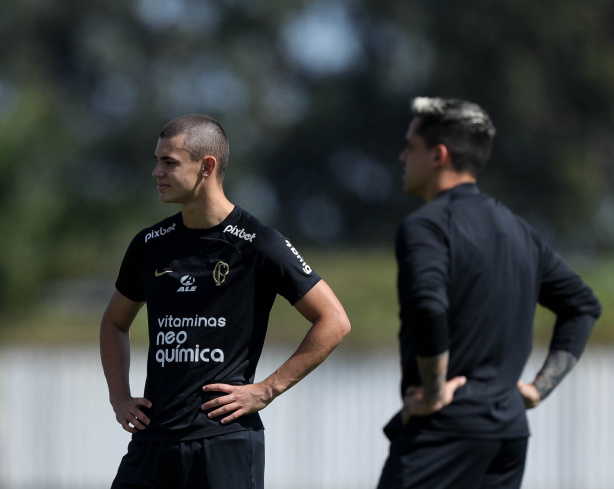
433, 372
557, 365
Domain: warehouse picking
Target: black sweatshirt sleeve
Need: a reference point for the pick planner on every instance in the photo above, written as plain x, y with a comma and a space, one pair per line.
423, 257
572, 301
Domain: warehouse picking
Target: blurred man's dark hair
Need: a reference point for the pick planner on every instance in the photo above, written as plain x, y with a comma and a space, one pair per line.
463, 127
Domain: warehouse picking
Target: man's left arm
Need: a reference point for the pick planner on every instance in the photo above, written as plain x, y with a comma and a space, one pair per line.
576, 308
329, 325
557, 365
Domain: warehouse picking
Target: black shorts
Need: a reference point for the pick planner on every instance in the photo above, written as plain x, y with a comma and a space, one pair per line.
433, 461
230, 461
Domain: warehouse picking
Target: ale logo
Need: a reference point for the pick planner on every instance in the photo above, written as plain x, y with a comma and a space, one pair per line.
187, 284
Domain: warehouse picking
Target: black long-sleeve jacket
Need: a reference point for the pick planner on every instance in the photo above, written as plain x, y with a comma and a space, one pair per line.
470, 275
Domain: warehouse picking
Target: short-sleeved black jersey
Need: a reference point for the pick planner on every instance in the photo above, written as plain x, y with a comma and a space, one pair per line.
470, 275
209, 294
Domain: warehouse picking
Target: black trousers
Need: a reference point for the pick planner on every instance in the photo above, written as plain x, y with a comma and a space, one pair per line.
434, 461
230, 461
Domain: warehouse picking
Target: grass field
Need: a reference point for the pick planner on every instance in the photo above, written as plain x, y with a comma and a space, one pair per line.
363, 280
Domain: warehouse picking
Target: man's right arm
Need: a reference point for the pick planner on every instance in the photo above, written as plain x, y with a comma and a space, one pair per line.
423, 260
115, 356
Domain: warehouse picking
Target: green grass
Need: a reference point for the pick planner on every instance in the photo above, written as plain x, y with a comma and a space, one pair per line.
363, 280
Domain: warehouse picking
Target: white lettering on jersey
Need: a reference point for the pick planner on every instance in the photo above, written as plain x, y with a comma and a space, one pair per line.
159, 232
183, 355
170, 321
240, 233
173, 341
306, 268
170, 337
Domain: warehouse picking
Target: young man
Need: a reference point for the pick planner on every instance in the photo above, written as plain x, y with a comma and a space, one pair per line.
209, 276
470, 275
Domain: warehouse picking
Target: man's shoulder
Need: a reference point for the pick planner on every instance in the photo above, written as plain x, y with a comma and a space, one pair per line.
470, 210
450, 207
162, 228
429, 210
501, 212
429, 219
245, 228
240, 216
435, 212
248, 231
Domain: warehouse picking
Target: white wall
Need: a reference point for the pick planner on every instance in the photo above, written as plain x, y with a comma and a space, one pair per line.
57, 429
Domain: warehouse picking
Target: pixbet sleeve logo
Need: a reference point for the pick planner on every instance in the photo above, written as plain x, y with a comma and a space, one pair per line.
306, 268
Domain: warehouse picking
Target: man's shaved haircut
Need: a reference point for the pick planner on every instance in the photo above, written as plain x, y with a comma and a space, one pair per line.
463, 127
204, 136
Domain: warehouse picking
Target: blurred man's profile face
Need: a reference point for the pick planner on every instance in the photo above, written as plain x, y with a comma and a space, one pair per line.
416, 158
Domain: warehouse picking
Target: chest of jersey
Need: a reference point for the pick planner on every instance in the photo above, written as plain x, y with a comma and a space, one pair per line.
195, 274
200, 294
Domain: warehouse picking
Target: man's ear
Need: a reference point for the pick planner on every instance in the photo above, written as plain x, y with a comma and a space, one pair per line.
209, 165
442, 155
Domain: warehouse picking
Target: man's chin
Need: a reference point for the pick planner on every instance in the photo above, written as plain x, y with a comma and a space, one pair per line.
167, 199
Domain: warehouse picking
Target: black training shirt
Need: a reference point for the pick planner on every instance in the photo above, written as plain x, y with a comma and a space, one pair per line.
470, 275
208, 293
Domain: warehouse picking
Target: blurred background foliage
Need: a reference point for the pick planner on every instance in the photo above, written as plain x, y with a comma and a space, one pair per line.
314, 97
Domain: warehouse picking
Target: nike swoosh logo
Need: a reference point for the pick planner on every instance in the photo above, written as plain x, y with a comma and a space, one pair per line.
157, 274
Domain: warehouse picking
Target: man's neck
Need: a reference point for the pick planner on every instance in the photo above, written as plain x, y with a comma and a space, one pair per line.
206, 215
449, 180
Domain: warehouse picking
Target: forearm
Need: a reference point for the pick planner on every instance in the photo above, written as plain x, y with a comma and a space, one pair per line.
321, 339
433, 372
115, 356
436, 392
329, 325
557, 365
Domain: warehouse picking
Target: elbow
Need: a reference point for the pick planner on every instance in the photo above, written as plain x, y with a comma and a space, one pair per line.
336, 324
345, 327
343, 324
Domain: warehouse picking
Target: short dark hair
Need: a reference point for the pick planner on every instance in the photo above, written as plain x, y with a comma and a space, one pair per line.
463, 127
203, 136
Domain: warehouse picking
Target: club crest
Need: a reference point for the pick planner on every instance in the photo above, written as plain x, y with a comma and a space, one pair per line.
219, 272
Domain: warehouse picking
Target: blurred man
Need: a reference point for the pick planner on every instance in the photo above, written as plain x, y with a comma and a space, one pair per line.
209, 276
470, 275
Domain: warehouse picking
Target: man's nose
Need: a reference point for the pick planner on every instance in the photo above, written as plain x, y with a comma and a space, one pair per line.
157, 171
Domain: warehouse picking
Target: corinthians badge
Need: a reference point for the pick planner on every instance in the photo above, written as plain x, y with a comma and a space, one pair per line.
219, 272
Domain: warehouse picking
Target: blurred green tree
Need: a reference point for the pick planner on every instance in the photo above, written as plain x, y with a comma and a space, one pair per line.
313, 95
